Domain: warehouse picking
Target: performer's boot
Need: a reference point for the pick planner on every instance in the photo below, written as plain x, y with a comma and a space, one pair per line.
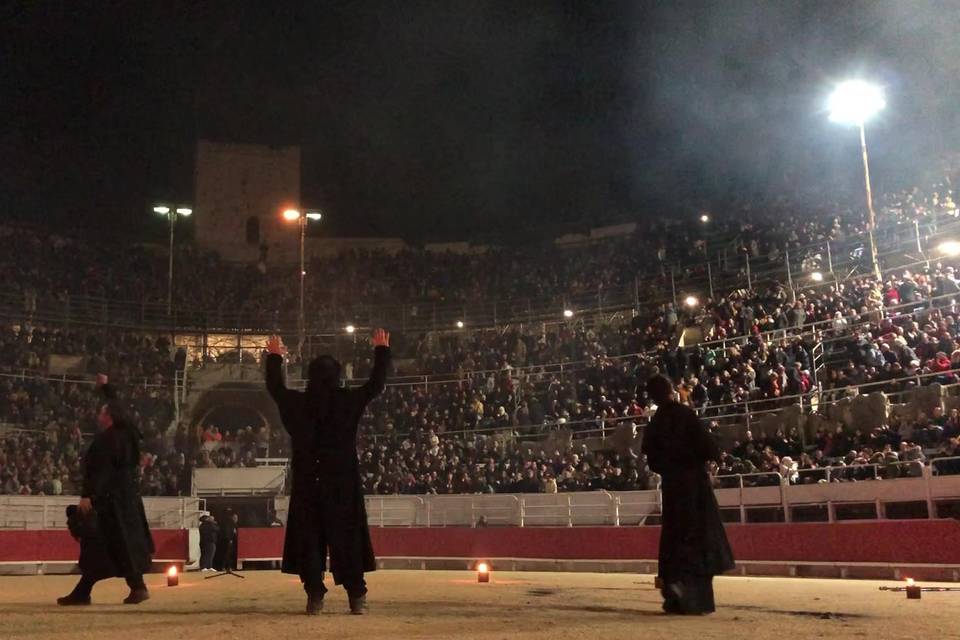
138, 590
314, 603
137, 596
80, 596
73, 600
358, 605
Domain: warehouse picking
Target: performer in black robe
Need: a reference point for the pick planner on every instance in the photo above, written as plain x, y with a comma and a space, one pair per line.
326, 503
110, 520
693, 544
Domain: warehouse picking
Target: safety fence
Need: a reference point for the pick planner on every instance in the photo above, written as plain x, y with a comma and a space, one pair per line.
49, 512
726, 270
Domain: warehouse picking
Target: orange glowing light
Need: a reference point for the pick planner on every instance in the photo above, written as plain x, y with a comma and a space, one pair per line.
483, 567
291, 215
172, 572
909, 582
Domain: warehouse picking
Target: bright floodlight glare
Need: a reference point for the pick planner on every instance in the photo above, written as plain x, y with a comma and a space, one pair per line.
909, 582
314, 215
172, 571
567, 313
816, 276
350, 328
855, 102
949, 248
291, 214
161, 210
704, 218
459, 324
184, 211
483, 567
691, 301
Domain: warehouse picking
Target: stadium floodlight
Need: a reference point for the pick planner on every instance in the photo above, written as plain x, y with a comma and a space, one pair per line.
350, 328
294, 215
691, 301
855, 102
567, 313
459, 324
949, 248
172, 213
704, 218
816, 276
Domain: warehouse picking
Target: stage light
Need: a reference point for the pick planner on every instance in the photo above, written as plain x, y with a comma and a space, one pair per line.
691, 301
291, 215
913, 591
816, 276
704, 218
855, 102
173, 576
459, 324
184, 211
567, 313
483, 572
162, 210
314, 215
949, 248
350, 328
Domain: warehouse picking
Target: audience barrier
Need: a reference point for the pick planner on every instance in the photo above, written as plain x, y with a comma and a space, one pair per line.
911, 546
55, 546
909, 542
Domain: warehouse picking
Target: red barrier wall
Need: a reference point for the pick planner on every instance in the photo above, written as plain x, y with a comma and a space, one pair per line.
56, 545
889, 542
893, 542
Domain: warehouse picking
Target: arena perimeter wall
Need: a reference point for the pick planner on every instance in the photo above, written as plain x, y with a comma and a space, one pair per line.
892, 548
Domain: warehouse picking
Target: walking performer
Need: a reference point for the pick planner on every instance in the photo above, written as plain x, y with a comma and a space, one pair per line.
693, 544
326, 502
110, 521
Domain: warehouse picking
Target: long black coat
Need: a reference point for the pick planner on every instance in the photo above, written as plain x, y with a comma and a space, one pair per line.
692, 539
111, 481
326, 502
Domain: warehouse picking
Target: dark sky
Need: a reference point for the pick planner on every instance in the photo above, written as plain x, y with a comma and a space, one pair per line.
463, 118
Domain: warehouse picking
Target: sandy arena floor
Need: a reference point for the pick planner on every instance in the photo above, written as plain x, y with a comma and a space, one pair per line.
439, 604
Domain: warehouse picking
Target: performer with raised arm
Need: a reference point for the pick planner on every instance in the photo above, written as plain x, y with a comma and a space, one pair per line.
326, 502
693, 544
110, 521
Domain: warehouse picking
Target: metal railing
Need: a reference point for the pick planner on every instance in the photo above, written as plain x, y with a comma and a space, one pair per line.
745, 494
429, 315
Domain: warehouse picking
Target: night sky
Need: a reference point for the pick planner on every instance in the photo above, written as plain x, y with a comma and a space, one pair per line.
460, 119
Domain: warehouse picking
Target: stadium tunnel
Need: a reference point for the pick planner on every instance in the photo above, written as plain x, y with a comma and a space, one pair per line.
233, 405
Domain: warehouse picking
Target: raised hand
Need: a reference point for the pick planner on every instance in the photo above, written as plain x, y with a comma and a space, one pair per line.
381, 338
275, 346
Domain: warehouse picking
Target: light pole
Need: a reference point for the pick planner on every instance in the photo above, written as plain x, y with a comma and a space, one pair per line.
301, 218
172, 214
854, 102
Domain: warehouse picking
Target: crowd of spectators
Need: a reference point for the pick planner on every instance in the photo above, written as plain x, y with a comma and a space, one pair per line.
46, 268
485, 390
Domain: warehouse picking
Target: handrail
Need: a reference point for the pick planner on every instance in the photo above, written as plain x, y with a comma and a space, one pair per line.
140, 311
